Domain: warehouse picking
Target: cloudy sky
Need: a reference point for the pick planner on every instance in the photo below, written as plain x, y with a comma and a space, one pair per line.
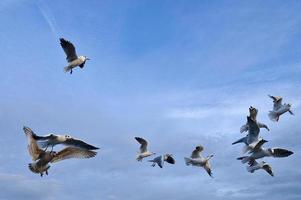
178, 73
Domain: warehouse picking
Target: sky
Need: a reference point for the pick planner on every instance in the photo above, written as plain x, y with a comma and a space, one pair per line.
177, 73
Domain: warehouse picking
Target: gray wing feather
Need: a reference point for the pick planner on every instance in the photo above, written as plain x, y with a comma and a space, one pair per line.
69, 49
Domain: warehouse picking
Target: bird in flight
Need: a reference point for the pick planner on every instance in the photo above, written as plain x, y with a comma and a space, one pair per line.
143, 149
72, 58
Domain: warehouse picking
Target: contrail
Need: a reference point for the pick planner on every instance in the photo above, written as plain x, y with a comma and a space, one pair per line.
48, 18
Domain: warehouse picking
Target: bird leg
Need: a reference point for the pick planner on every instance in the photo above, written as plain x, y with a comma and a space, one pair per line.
46, 148
153, 165
47, 172
71, 71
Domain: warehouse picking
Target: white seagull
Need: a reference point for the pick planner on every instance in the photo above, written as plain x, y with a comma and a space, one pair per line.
279, 108
253, 166
43, 158
259, 152
52, 140
72, 58
196, 159
143, 149
253, 115
253, 132
161, 159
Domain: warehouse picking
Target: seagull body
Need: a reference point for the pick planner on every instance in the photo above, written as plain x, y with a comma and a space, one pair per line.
52, 140
161, 159
253, 115
259, 152
279, 108
253, 132
43, 158
72, 58
253, 166
196, 159
143, 149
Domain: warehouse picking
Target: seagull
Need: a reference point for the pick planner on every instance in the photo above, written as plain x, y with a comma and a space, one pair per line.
72, 58
253, 114
52, 140
159, 161
279, 108
196, 159
43, 158
253, 132
253, 166
259, 152
143, 149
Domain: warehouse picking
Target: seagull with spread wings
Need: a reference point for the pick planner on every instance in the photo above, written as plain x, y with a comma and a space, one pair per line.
279, 108
143, 149
196, 159
161, 159
253, 166
43, 158
52, 140
72, 58
259, 152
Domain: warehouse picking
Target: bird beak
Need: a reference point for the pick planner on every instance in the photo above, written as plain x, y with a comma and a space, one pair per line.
88, 58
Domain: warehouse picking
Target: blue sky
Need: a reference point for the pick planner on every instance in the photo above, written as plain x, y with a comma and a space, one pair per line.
178, 73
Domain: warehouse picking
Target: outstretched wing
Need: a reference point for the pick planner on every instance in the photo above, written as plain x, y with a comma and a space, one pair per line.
168, 158
73, 152
32, 147
258, 146
277, 102
278, 152
143, 142
196, 152
207, 167
268, 169
79, 143
69, 49
244, 128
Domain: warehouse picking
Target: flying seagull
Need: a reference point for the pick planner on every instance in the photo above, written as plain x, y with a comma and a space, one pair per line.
43, 158
253, 132
196, 159
253, 115
161, 159
72, 58
143, 149
259, 152
279, 108
52, 140
253, 166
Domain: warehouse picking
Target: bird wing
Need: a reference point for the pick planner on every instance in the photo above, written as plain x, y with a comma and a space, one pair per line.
196, 152
279, 152
168, 158
244, 128
79, 143
32, 147
258, 146
45, 137
143, 142
207, 167
268, 169
277, 102
73, 152
69, 49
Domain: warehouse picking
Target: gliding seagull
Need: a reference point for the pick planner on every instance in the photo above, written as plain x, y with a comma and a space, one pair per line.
279, 108
72, 58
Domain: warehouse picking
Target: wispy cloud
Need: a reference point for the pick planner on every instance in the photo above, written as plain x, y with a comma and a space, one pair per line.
49, 18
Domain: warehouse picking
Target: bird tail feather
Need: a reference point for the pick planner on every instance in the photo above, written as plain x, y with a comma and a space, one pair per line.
67, 69
239, 141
